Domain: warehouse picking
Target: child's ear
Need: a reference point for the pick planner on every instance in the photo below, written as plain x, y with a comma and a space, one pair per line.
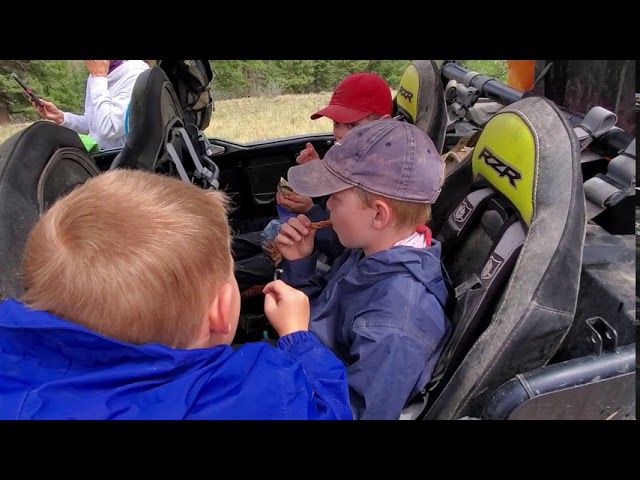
381, 215
220, 310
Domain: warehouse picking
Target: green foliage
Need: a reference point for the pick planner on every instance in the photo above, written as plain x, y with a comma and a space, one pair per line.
493, 68
244, 78
59, 81
63, 81
236, 78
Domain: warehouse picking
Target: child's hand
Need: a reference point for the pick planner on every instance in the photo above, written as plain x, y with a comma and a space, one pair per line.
307, 155
296, 239
294, 202
286, 308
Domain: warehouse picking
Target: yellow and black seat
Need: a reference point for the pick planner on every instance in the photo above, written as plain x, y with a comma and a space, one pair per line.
420, 100
512, 250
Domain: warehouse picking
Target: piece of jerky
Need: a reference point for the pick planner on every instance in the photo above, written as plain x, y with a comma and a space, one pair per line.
322, 224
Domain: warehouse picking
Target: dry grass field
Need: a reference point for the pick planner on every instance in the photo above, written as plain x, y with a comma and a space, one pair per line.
251, 119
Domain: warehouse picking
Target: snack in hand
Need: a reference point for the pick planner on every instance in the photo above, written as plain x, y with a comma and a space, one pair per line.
322, 224
272, 251
284, 187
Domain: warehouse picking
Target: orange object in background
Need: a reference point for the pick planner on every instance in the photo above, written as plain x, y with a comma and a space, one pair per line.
520, 73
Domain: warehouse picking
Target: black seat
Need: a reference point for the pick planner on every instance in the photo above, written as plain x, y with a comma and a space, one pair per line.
512, 247
158, 139
154, 110
190, 80
420, 100
38, 165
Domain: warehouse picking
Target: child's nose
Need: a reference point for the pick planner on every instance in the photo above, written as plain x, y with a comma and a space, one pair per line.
339, 132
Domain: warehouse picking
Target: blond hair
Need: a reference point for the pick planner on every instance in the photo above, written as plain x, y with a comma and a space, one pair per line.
132, 255
406, 214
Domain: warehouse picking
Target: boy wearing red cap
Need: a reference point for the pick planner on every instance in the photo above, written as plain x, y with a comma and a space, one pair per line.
358, 99
380, 308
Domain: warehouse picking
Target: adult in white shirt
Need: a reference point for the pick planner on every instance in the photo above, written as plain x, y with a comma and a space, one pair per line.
107, 98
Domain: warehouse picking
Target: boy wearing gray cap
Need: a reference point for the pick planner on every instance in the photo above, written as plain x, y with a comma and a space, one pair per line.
381, 306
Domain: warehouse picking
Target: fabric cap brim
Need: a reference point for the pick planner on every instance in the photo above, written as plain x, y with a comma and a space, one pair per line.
314, 179
340, 113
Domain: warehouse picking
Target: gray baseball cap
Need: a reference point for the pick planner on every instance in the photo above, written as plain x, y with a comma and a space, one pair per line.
387, 157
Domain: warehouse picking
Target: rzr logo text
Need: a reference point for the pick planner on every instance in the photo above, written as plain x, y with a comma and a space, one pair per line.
500, 166
406, 94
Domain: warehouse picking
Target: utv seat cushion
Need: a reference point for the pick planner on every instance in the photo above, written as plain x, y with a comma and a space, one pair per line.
37, 165
529, 156
508, 161
153, 110
420, 100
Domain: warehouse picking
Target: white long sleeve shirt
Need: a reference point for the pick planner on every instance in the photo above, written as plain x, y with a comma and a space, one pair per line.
106, 102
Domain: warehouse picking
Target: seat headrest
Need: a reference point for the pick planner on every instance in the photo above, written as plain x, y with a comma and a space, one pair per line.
509, 153
191, 81
151, 92
153, 110
420, 99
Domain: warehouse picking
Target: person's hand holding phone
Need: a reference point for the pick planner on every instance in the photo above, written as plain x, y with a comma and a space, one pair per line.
27, 90
49, 111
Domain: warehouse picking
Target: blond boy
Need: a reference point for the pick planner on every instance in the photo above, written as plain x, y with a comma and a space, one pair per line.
130, 305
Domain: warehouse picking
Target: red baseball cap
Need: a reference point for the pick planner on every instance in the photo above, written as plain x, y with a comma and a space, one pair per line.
356, 97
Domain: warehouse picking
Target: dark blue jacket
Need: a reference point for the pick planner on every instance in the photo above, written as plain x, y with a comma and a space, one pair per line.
383, 315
